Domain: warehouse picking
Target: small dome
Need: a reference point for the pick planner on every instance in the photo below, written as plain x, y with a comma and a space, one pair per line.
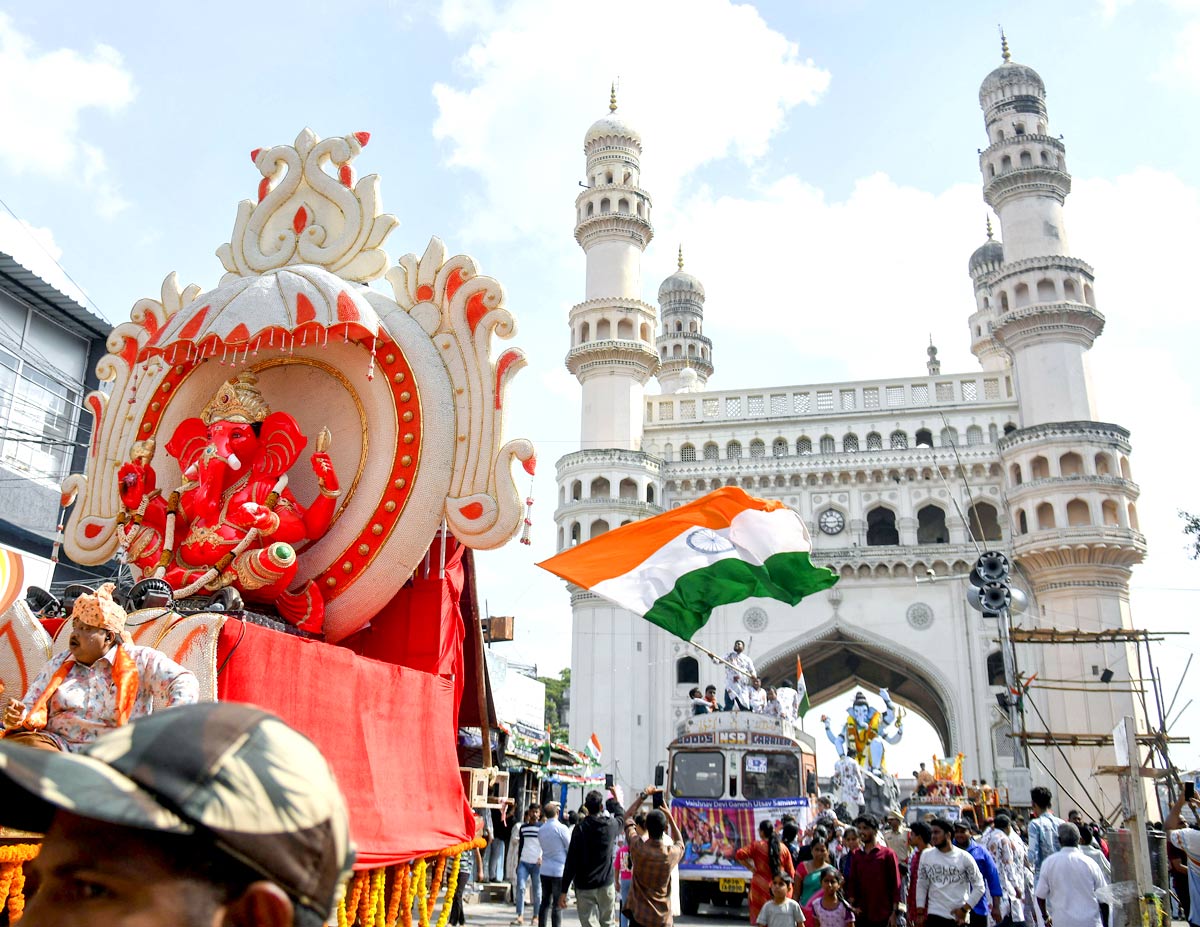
680, 282
1008, 74
612, 125
990, 252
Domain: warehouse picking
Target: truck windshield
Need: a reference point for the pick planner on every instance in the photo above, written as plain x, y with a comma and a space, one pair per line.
770, 775
698, 775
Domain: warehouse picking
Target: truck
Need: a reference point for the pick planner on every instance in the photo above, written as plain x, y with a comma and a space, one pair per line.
725, 773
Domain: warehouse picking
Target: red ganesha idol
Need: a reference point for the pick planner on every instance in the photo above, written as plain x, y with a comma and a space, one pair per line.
237, 521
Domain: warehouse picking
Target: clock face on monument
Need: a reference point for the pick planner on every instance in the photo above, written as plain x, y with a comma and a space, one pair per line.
832, 521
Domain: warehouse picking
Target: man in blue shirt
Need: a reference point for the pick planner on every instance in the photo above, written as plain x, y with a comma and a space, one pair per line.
1043, 829
963, 839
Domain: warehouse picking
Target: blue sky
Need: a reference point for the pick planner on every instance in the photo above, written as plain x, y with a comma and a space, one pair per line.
815, 159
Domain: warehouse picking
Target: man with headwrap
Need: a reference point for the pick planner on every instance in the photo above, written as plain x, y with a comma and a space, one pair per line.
99, 683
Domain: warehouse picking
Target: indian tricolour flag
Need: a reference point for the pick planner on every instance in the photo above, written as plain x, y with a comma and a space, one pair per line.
675, 568
592, 748
802, 704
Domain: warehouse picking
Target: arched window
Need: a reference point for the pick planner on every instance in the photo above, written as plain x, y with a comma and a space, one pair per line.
948, 437
645, 332
603, 330
1070, 291
758, 448
605, 206
1133, 519
623, 206
1009, 428
1026, 159
574, 533
984, 522
1078, 513
993, 433
627, 489
1108, 510
803, 446
1014, 473
1103, 465
733, 450
1039, 468
1045, 516
600, 488
1045, 291
650, 493
576, 490
1088, 296
850, 444
1004, 301
1045, 157
828, 445
585, 333
1005, 164
1126, 473
1070, 464
678, 326
931, 526
898, 440
995, 668
599, 526
881, 528
779, 447
924, 437
687, 671
687, 453
1021, 293
711, 451
1022, 522
974, 435
874, 441
625, 330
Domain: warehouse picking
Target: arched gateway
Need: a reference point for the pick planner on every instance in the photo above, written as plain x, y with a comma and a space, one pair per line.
837, 655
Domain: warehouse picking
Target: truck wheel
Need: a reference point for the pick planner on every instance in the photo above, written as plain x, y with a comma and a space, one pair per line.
690, 896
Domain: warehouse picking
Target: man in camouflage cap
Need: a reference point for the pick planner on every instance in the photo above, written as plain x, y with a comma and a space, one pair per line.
209, 815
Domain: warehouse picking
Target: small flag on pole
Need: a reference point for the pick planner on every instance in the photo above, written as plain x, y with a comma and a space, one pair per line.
801, 690
592, 748
675, 568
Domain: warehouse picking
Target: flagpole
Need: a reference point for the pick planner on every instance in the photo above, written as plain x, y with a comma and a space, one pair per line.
712, 656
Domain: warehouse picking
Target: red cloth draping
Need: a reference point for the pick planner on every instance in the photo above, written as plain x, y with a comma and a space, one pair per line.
387, 730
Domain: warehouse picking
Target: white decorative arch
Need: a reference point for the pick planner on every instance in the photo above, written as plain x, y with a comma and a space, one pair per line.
912, 661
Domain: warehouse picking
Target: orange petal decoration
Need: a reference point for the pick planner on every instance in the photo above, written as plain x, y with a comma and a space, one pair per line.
472, 510
255, 153
300, 220
363, 138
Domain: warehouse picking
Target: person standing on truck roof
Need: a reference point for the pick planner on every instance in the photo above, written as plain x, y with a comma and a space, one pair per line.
590, 863
653, 862
737, 681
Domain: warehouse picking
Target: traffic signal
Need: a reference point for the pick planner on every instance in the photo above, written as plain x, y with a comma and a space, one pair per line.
990, 591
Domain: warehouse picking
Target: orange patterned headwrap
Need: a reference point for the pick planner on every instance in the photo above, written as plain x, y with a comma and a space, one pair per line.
100, 611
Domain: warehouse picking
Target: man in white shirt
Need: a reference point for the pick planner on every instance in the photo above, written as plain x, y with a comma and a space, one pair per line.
1067, 884
949, 883
737, 681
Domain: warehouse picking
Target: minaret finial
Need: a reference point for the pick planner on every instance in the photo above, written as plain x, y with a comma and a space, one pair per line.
612, 97
989, 228
1004, 46
681, 257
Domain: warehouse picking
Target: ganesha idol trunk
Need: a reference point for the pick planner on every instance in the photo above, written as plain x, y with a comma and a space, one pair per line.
216, 401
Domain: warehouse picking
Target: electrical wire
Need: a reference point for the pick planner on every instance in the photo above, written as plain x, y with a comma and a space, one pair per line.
1062, 753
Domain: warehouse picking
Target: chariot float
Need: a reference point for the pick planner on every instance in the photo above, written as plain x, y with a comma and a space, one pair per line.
295, 466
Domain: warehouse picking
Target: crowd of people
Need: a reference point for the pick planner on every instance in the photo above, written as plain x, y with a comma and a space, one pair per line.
1005, 871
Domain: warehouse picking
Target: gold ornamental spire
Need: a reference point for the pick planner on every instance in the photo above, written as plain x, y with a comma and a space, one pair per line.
989, 229
681, 257
612, 97
1004, 46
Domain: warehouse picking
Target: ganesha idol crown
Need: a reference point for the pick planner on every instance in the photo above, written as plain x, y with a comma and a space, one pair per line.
237, 400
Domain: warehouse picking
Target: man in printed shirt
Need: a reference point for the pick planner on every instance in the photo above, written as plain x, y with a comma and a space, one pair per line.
1008, 850
1043, 829
101, 682
737, 681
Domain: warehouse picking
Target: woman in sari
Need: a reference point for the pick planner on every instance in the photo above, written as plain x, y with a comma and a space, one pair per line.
808, 876
766, 858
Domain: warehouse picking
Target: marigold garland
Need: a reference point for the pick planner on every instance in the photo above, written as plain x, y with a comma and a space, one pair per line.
12, 877
399, 887
435, 885
451, 887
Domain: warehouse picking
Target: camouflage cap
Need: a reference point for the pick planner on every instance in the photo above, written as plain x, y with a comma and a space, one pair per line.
255, 787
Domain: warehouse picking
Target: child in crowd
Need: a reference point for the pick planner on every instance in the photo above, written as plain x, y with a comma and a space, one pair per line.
781, 911
829, 908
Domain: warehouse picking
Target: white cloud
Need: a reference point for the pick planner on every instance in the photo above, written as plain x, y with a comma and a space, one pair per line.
710, 77
44, 95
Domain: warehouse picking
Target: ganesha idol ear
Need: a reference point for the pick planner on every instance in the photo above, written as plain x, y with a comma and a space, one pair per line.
280, 444
189, 439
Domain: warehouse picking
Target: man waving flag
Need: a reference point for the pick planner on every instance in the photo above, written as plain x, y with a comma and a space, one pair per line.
675, 568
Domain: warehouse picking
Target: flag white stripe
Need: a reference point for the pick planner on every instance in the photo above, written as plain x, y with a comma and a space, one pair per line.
752, 536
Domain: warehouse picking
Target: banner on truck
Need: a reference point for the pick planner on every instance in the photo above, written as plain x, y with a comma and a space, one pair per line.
714, 829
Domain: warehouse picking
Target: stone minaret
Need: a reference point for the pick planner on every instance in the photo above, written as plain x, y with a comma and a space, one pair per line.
1069, 487
682, 344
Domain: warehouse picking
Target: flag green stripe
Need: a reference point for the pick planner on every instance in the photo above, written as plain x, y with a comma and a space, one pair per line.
788, 577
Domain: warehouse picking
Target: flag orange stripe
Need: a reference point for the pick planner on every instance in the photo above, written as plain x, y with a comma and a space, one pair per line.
623, 549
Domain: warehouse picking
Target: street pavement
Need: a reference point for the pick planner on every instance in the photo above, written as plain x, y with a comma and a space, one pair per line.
490, 914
